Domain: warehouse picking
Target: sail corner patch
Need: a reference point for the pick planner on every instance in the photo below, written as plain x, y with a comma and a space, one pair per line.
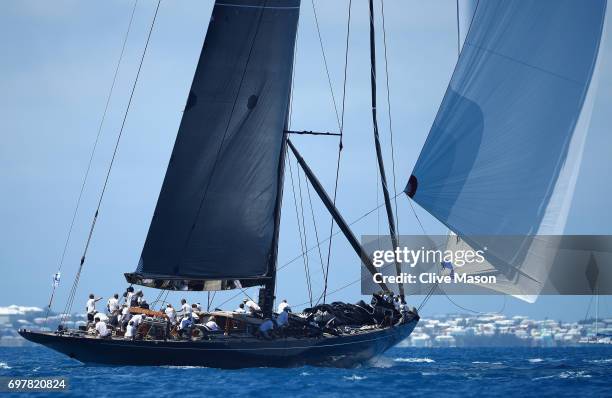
412, 186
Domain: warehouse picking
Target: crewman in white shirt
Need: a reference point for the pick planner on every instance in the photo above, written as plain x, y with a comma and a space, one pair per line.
283, 318
113, 303
91, 307
185, 308
128, 296
101, 328
130, 331
240, 309
171, 314
125, 316
212, 325
251, 306
282, 306
137, 319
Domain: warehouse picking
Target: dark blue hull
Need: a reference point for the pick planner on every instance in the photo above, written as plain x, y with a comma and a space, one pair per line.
229, 353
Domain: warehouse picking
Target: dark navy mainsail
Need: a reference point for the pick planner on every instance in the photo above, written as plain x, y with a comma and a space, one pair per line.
216, 218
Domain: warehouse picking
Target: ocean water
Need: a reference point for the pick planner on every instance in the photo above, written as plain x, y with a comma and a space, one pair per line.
451, 372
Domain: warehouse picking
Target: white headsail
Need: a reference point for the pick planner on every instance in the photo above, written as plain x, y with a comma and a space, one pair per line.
503, 153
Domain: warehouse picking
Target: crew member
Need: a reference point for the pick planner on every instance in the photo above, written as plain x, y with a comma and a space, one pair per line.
130, 331
185, 308
251, 307
129, 293
101, 328
185, 325
125, 316
282, 306
91, 307
265, 328
171, 314
212, 325
143, 304
113, 304
240, 309
137, 299
137, 319
283, 318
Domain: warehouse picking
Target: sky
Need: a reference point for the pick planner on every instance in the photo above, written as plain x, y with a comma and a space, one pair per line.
56, 69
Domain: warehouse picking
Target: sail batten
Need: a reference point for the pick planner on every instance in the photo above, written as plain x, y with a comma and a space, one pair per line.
216, 216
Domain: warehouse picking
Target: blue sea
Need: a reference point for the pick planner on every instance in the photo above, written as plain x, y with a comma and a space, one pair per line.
450, 372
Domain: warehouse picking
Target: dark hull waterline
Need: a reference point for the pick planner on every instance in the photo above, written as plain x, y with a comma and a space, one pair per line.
342, 351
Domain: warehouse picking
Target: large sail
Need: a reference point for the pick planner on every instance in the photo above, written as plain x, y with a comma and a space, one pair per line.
216, 221
503, 153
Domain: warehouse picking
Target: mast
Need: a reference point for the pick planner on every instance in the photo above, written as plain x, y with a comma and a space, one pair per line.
342, 224
381, 165
267, 292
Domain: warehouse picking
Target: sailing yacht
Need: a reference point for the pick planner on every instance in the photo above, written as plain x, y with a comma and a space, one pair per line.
216, 223
500, 159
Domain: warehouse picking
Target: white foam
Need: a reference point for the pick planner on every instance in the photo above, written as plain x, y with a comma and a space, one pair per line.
355, 378
535, 360
4, 365
606, 360
581, 374
415, 360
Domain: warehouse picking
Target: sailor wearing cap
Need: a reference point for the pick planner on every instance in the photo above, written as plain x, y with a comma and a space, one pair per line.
251, 306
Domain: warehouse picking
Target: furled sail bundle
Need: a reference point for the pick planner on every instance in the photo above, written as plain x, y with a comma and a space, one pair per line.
503, 152
216, 221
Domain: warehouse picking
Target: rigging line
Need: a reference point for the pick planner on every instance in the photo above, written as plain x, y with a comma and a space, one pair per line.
416, 216
465, 308
299, 179
242, 291
340, 146
227, 126
314, 223
210, 301
93, 224
458, 32
329, 82
91, 156
345, 286
304, 255
382, 13
330, 236
294, 259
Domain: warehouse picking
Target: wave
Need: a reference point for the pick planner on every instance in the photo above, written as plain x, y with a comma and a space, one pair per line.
580, 374
415, 360
380, 362
606, 360
4, 365
182, 367
568, 374
535, 360
354, 378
